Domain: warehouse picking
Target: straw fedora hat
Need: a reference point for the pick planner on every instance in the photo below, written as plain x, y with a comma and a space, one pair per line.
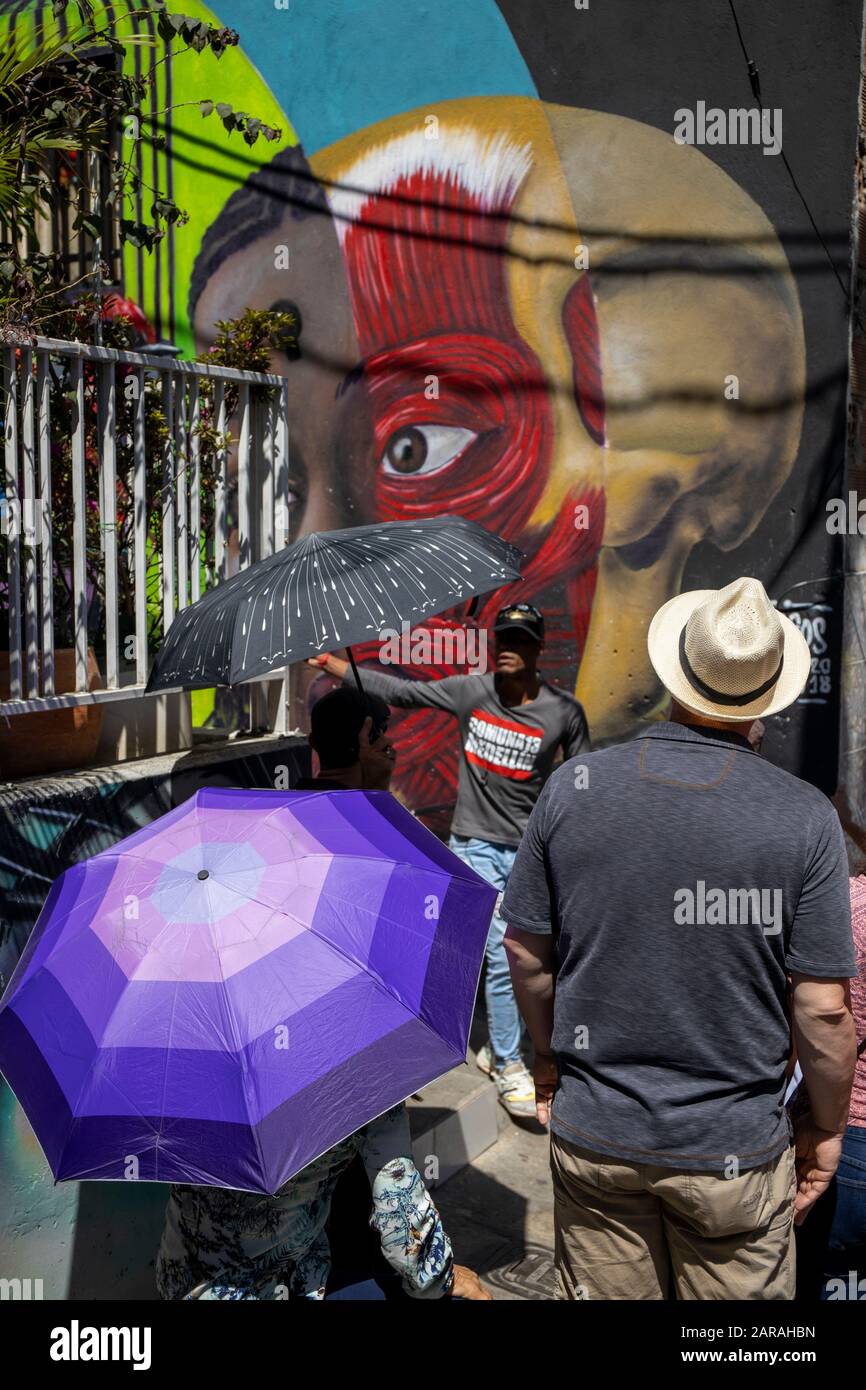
728, 653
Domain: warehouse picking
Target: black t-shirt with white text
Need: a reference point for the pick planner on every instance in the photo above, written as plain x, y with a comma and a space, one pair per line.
508, 751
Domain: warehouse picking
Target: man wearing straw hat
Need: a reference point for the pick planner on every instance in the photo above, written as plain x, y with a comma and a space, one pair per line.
677, 911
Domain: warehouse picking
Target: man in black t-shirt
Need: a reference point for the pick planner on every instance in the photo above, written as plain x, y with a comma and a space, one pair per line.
513, 724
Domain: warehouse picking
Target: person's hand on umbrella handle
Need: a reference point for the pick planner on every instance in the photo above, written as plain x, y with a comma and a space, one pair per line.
334, 665
468, 1285
545, 1074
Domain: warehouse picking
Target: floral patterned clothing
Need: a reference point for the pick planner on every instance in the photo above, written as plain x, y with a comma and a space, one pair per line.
219, 1243
857, 1113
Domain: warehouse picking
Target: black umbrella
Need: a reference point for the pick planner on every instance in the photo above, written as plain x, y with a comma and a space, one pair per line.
326, 591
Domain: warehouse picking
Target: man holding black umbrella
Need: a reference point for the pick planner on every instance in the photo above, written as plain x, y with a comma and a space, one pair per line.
349, 735
512, 725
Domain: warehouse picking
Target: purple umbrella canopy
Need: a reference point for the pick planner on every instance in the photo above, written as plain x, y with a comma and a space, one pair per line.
230, 991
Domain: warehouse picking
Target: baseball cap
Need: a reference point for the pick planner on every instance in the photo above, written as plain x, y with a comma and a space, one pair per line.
521, 615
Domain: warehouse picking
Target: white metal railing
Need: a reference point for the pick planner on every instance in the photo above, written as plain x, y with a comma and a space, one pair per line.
106, 409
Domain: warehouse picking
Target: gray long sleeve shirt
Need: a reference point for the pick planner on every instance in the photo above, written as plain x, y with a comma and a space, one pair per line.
507, 751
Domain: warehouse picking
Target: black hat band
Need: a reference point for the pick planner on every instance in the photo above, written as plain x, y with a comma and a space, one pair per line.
719, 696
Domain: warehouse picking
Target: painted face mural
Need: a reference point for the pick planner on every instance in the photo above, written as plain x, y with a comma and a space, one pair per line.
522, 301
482, 337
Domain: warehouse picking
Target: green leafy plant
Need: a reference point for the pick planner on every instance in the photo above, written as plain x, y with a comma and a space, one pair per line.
245, 343
63, 100
61, 103
250, 126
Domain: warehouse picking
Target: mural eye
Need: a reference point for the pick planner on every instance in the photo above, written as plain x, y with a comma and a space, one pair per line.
418, 449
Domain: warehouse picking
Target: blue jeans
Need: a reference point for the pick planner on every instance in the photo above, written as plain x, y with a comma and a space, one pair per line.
359, 1287
831, 1243
846, 1244
495, 862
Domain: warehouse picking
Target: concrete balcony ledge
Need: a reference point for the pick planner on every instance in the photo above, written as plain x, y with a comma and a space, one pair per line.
216, 756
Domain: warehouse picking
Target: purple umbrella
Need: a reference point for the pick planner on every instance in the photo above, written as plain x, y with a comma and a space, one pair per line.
233, 989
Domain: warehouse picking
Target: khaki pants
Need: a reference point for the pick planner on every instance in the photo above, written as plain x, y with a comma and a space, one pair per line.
639, 1231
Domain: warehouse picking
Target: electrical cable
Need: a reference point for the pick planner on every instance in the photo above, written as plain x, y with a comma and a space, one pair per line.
755, 83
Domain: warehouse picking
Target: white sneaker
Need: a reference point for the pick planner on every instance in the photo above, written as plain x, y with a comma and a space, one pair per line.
516, 1090
484, 1060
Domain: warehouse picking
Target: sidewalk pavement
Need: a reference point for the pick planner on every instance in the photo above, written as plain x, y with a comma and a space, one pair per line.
498, 1212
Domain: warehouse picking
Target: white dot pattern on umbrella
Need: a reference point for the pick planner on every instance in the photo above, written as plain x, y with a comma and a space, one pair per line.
330, 590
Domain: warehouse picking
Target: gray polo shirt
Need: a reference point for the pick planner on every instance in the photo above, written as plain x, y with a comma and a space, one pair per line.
683, 876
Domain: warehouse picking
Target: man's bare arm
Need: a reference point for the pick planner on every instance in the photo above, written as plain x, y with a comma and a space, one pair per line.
531, 958
826, 1042
334, 665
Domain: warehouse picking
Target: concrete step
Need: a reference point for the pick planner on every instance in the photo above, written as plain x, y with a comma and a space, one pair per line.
452, 1121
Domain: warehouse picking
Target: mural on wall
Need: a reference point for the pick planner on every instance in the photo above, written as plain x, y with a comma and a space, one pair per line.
523, 301
525, 297
556, 320
520, 364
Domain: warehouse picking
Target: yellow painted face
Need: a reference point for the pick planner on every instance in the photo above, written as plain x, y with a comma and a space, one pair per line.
579, 333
